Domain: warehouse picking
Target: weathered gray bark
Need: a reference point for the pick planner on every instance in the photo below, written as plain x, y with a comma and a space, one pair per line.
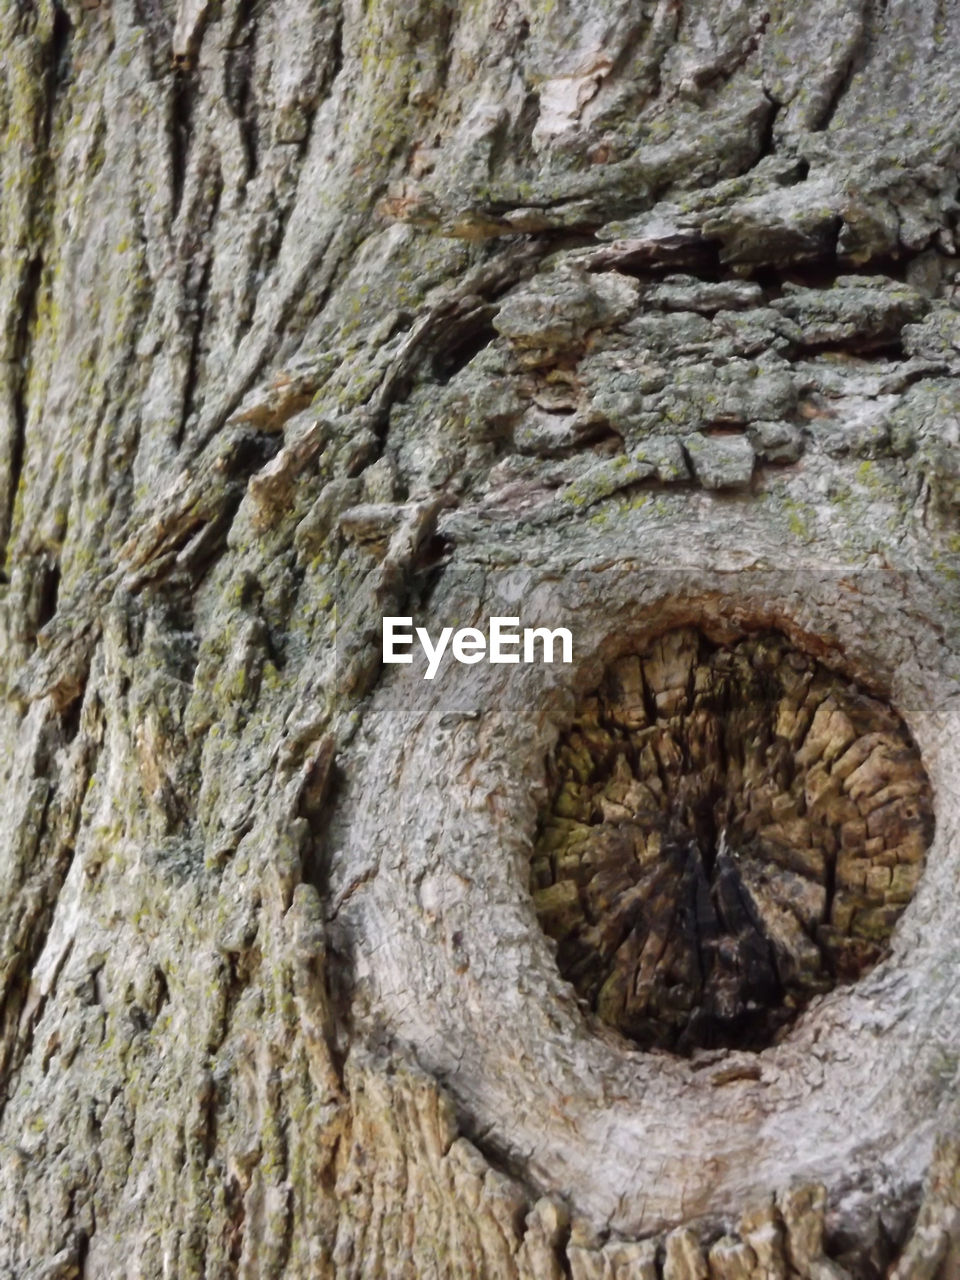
622, 316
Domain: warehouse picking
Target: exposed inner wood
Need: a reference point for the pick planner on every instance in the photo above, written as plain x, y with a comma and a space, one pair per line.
732, 831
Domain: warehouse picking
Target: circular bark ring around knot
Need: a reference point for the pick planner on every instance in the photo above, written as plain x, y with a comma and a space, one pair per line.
431, 893
732, 829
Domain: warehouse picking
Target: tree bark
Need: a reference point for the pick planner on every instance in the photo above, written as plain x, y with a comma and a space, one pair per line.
637, 319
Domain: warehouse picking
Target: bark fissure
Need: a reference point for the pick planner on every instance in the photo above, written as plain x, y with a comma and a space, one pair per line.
197, 302
181, 98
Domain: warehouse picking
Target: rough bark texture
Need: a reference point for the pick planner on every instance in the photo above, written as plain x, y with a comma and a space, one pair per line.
626, 317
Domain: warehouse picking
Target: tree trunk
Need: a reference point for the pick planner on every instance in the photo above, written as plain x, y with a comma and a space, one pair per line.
634, 319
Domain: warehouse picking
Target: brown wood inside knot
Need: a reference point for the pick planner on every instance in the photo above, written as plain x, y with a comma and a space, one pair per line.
732, 830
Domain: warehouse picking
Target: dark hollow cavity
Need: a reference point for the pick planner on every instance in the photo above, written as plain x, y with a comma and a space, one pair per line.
732, 830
